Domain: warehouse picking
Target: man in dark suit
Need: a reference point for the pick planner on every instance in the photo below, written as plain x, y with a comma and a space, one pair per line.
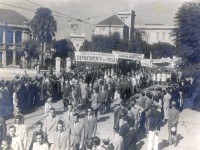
77, 133
39, 126
90, 124
117, 115
66, 94
61, 138
172, 122
103, 95
3, 129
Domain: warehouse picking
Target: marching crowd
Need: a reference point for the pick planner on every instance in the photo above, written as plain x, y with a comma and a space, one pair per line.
137, 106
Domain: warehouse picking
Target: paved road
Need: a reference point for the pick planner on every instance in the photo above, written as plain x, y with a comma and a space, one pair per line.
188, 128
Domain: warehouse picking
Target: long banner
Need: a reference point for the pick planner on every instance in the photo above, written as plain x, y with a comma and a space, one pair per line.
96, 57
130, 56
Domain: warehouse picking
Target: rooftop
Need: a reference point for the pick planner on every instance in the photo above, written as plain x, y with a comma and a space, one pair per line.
112, 20
12, 17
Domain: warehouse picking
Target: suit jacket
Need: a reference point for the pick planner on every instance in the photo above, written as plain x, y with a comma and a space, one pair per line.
173, 117
16, 143
131, 139
50, 125
166, 100
61, 143
118, 142
103, 96
90, 126
117, 116
22, 132
76, 134
3, 129
68, 118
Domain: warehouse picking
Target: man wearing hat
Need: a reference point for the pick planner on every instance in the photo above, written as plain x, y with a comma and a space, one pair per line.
172, 124
107, 145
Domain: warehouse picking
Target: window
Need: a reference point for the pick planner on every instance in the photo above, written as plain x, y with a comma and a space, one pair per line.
123, 18
102, 30
157, 36
9, 36
18, 37
1, 36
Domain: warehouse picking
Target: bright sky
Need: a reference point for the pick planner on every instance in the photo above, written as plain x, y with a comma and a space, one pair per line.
147, 11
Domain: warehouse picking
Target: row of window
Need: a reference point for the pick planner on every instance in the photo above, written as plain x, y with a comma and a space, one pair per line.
9, 36
159, 36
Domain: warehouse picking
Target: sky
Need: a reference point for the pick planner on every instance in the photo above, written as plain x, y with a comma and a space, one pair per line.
94, 11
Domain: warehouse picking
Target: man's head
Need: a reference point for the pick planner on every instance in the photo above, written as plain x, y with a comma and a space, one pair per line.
173, 104
52, 112
69, 107
18, 119
75, 117
60, 125
39, 126
90, 111
12, 130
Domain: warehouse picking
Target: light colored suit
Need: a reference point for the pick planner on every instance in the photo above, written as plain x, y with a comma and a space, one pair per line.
77, 134
68, 118
16, 143
22, 132
90, 125
50, 125
61, 142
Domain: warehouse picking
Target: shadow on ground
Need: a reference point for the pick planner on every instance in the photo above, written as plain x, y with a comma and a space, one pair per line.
104, 118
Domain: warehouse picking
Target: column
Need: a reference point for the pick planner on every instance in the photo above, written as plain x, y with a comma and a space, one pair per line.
4, 49
4, 36
68, 64
4, 58
14, 58
24, 35
14, 50
58, 64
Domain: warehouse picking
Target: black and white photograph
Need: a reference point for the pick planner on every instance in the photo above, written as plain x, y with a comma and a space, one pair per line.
99, 74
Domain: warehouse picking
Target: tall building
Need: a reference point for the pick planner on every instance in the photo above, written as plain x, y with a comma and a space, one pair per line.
154, 33
76, 37
128, 17
123, 23
13, 31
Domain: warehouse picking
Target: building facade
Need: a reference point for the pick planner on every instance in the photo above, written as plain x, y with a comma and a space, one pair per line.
154, 33
76, 37
111, 25
13, 31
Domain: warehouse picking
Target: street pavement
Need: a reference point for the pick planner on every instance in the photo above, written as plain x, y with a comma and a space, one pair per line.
188, 128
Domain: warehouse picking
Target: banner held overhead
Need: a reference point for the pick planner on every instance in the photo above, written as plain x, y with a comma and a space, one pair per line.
130, 56
96, 57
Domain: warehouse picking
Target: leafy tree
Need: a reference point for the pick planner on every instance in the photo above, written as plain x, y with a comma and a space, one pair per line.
43, 26
187, 33
160, 50
63, 48
102, 43
30, 50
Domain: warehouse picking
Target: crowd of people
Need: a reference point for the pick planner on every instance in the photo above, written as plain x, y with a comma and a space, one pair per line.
142, 101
